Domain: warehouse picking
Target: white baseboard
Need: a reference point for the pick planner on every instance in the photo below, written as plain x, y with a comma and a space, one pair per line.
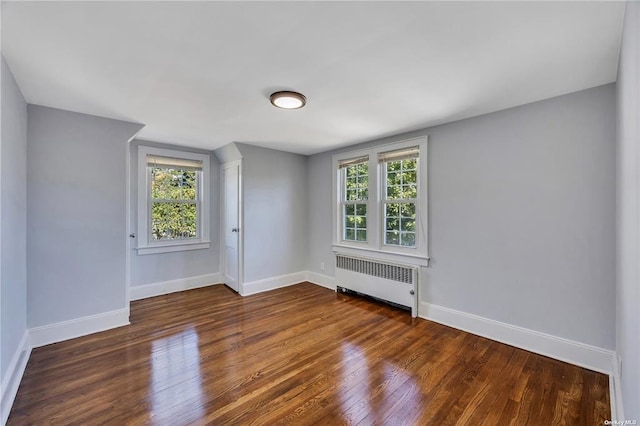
259, 286
11, 381
615, 390
321, 280
65, 330
583, 355
172, 286
591, 357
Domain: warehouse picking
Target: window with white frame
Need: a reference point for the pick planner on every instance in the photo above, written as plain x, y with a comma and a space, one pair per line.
381, 201
354, 196
173, 200
400, 195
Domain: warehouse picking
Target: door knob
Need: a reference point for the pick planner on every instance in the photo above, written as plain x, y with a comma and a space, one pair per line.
235, 229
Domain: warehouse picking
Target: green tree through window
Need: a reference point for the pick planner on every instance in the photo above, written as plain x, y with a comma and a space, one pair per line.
380, 201
401, 193
174, 203
354, 201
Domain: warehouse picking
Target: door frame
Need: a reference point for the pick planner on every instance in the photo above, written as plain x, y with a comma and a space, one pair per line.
223, 260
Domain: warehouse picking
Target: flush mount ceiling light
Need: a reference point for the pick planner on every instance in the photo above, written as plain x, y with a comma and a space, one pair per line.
288, 100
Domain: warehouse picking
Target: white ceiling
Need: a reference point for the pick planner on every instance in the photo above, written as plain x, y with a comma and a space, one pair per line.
199, 73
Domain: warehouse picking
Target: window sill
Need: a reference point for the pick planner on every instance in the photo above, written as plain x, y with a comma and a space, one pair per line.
383, 255
168, 248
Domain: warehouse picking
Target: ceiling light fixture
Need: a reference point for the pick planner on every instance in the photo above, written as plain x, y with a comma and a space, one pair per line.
288, 100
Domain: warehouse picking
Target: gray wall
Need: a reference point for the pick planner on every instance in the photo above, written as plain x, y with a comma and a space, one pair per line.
13, 321
320, 205
628, 220
521, 216
155, 268
76, 217
228, 153
275, 212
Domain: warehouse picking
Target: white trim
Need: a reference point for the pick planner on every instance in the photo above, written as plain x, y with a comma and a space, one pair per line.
375, 216
223, 249
385, 256
128, 226
144, 244
65, 330
182, 246
566, 350
13, 377
615, 390
591, 357
580, 354
321, 280
273, 283
172, 286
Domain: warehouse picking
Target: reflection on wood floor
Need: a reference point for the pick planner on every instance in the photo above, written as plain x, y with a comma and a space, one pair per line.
297, 355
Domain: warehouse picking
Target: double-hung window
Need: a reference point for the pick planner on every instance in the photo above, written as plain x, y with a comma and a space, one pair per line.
354, 196
173, 200
400, 195
381, 202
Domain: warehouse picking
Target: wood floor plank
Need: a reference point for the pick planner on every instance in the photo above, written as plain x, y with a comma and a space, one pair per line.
299, 355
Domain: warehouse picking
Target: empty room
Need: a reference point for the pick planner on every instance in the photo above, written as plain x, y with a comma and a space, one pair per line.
319, 212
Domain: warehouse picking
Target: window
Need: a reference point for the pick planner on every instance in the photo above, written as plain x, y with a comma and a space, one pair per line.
400, 196
355, 193
380, 206
173, 200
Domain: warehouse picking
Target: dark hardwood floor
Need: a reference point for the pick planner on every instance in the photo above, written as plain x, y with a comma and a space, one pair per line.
297, 355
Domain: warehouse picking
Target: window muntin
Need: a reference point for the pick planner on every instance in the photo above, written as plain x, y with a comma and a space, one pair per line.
174, 203
400, 201
173, 200
396, 213
354, 198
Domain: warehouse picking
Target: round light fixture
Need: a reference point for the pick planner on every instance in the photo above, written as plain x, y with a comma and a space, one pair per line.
288, 100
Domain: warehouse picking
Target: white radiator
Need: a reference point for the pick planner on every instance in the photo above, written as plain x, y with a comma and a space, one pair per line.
393, 283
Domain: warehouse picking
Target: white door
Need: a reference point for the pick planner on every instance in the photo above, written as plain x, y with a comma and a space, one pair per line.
231, 224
